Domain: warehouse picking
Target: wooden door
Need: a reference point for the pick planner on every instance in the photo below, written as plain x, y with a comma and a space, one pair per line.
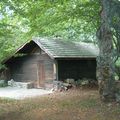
41, 74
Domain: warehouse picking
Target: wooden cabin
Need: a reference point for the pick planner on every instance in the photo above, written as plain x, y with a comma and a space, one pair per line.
44, 60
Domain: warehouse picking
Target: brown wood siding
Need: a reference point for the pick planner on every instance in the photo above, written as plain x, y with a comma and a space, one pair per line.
48, 68
26, 68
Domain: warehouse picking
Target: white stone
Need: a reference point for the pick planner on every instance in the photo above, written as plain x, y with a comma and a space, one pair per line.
2, 81
26, 85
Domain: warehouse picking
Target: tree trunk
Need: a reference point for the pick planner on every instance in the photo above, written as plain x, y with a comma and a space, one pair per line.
105, 63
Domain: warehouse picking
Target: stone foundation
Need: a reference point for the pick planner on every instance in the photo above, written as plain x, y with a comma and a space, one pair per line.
26, 85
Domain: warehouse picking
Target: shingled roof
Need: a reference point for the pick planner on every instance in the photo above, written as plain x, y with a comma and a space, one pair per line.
57, 48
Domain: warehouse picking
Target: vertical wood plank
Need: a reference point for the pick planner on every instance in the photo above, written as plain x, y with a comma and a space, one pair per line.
41, 74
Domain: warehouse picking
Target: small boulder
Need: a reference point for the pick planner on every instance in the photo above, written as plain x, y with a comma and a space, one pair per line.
2, 81
11, 83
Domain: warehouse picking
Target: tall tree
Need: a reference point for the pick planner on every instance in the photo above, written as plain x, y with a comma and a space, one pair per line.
108, 53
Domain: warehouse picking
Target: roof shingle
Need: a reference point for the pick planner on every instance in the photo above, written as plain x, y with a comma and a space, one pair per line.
66, 49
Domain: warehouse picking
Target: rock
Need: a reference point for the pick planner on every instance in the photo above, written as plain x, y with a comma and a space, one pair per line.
109, 105
57, 85
67, 84
30, 85
2, 81
71, 81
60, 86
11, 83
27, 85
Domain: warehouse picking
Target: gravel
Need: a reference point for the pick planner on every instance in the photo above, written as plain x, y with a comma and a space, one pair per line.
21, 93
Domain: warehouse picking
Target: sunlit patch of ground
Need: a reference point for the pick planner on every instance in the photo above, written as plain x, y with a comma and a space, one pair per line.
21, 93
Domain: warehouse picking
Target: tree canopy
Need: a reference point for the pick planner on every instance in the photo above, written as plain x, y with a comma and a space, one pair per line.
57, 18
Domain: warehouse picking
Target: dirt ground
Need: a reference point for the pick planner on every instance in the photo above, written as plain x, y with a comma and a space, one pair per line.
75, 104
21, 93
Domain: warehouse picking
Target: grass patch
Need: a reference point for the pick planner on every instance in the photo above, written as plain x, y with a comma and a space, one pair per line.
117, 109
88, 103
81, 104
66, 104
6, 100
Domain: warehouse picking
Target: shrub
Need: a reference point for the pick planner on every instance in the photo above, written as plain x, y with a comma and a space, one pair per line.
3, 83
117, 69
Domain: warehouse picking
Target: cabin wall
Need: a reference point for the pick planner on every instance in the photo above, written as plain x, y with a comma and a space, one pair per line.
26, 68
23, 68
77, 69
4, 74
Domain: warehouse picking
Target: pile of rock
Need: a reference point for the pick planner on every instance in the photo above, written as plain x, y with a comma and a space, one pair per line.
63, 86
26, 85
72, 83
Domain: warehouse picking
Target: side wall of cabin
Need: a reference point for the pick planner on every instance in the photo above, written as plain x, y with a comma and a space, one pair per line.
26, 68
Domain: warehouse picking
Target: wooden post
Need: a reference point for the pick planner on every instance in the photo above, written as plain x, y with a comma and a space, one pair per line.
56, 69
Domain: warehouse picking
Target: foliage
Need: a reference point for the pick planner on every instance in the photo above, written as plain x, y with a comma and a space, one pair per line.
12, 31
118, 62
117, 69
3, 84
68, 19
